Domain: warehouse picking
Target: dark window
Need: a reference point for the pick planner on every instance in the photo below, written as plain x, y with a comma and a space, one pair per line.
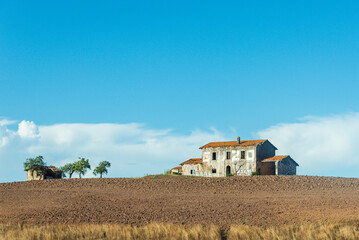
228, 155
214, 156
243, 154
214, 170
192, 171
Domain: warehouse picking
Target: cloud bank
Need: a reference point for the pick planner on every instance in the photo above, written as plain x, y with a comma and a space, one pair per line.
321, 145
325, 146
132, 149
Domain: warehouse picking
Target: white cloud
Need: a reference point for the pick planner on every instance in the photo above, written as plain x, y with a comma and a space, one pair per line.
28, 129
132, 149
321, 145
5, 122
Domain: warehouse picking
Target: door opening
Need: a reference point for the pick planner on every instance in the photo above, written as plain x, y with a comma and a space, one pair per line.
228, 170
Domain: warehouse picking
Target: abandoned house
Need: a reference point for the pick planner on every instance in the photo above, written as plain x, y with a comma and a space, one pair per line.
241, 157
43, 172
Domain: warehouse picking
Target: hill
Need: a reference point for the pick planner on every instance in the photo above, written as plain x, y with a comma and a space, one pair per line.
255, 200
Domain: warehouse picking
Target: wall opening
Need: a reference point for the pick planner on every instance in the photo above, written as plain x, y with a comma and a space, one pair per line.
228, 170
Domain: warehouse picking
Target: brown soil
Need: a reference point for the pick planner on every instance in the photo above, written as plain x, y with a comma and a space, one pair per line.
256, 200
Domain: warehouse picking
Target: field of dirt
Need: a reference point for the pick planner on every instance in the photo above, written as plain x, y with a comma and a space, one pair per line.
255, 200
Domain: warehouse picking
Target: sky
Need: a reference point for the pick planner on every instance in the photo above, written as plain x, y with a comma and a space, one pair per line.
143, 84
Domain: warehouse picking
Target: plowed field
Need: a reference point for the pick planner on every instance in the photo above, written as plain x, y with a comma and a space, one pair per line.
255, 200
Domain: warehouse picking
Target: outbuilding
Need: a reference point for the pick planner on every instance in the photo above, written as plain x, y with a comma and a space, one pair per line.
43, 172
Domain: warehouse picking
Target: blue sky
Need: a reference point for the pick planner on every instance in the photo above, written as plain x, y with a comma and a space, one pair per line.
237, 67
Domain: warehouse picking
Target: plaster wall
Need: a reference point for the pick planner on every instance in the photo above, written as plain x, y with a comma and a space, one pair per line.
217, 168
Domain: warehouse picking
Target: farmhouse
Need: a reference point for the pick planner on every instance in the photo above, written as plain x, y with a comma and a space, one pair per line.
241, 157
43, 172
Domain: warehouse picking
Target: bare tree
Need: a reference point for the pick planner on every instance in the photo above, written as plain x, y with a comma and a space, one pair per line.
239, 164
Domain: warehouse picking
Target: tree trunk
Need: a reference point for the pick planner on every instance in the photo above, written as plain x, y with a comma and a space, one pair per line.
100, 175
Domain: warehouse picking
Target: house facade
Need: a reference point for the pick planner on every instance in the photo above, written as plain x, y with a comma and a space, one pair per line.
220, 159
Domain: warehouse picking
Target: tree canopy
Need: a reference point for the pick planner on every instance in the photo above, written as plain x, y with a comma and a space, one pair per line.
102, 168
34, 163
81, 166
68, 168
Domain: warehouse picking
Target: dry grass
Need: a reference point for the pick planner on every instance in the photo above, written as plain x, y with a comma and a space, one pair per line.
107, 231
326, 231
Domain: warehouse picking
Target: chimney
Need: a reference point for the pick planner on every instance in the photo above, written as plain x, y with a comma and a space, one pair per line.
238, 140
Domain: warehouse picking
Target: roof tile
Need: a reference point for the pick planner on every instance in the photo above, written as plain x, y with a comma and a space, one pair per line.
275, 158
234, 143
192, 161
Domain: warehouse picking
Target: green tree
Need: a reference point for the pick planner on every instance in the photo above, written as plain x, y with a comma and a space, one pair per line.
81, 166
68, 168
102, 168
34, 164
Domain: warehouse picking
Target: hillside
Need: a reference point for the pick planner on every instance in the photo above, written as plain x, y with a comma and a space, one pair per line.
256, 200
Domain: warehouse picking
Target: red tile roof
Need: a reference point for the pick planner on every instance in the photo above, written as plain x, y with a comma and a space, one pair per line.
192, 161
279, 158
234, 143
175, 168
275, 158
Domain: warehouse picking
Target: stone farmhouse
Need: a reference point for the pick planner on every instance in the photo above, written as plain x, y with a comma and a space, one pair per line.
241, 157
43, 172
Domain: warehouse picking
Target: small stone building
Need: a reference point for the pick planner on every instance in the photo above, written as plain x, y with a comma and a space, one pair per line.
43, 172
279, 165
176, 170
241, 157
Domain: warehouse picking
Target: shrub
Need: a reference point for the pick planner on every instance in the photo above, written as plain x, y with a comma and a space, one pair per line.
255, 173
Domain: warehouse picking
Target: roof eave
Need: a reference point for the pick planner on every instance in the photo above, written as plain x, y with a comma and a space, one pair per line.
266, 140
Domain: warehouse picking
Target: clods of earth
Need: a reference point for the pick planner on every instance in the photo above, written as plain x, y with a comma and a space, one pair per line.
254, 200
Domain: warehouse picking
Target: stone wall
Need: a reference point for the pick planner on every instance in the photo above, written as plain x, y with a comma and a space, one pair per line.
286, 167
268, 168
35, 175
264, 150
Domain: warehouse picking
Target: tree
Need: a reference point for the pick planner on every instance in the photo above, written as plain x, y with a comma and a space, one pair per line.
81, 166
34, 164
239, 164
68, 168
102, 168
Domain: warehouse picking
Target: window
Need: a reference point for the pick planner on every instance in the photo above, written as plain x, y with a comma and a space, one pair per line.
214, 170
228, 155
250, 154
214, 156
192, 171
243, 154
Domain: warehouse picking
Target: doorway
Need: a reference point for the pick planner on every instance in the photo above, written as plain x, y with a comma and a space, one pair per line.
228, 170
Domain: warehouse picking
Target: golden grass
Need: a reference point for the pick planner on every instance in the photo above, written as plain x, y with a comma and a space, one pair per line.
325, 231
349, 230
107, 231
